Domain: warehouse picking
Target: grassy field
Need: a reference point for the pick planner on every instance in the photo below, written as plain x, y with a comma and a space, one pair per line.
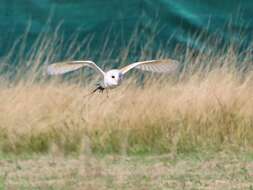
192, 171
195, 114
188, 130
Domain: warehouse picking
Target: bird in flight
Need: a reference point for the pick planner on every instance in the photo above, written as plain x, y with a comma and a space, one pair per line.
114, 77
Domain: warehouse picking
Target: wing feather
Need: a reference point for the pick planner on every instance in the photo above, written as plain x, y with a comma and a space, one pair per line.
68, 66
159, 66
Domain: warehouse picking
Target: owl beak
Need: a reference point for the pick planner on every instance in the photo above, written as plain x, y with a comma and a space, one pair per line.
120, 76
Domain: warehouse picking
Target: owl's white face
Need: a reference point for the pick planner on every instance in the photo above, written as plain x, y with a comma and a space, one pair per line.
113, 78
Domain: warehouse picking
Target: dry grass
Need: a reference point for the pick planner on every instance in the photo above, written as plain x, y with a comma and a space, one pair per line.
188, 115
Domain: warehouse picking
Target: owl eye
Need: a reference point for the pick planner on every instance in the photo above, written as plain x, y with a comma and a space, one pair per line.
113, 76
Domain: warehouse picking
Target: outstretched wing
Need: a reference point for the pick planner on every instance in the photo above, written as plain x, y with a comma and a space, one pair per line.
159, 66
68, 66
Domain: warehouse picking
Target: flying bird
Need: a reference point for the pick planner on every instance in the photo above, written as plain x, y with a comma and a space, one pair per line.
114, 77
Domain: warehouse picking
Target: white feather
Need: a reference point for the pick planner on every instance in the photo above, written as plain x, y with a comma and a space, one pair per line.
68, 66
159, 66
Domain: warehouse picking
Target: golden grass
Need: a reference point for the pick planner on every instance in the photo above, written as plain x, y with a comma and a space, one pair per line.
214, 111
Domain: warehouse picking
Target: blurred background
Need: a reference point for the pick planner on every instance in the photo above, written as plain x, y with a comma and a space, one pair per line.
151, 24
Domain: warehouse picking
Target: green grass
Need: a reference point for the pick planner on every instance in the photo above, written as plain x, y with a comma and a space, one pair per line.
224, 170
